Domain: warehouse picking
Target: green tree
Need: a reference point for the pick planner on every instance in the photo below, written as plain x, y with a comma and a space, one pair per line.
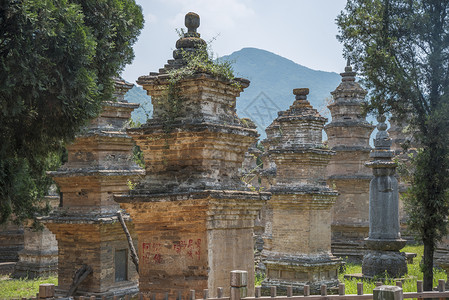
57, 58
401, 49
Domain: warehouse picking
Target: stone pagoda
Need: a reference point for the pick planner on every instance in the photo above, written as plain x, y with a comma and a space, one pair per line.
348, 135
300, 250
193, 215
384, 241
90, 237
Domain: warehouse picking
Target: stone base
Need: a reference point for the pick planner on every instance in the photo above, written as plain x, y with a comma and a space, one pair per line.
128, 288
297, 271
7, 268
351, 252
377, 263
33, 265
348, 241
297, 287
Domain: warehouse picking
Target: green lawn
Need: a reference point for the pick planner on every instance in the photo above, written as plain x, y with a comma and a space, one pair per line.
17, 288
414, 273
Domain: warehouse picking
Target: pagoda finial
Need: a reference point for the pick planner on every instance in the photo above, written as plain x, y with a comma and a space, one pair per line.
382, 140
192, 21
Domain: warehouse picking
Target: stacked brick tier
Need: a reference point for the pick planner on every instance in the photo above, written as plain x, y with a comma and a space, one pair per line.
348, 135
299, 251
193, 215
86, 225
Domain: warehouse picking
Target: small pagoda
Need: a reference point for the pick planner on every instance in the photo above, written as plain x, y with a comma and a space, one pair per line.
91, 241
348, 135
300, 249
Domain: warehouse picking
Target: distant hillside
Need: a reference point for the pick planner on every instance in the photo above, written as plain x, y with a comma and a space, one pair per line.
138, 95
272, 80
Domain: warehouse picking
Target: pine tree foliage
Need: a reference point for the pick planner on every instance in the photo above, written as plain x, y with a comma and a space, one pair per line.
401, 49
57, 58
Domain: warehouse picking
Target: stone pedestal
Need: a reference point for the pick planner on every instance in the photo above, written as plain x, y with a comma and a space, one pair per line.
86, 224
348, 135
193, 215
384, 241
300, 250
39, 258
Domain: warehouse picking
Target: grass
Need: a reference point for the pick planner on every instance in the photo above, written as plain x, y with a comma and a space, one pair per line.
18, 288
409, 285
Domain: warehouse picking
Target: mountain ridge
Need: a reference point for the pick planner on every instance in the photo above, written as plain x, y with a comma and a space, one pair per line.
272, 77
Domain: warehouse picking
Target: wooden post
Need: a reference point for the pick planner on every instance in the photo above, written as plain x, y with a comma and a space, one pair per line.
419, 286
359, 288
341, 289
441, 287
273, 291
387, 292
46, 290
306, 290
258, 293
192, 294
205, 294
239, 282
323, 290
289, 291
219, 292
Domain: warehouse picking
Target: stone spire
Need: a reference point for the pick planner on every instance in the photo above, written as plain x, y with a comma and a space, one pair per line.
384, 241
299, 251
189, 42
348, 134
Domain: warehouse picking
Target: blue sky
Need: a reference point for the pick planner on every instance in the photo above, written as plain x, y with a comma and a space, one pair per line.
301, 30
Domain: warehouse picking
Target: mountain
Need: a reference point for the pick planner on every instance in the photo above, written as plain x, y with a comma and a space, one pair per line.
272, 77
138, 95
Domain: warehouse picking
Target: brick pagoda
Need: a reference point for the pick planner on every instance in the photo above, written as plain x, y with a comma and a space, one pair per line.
193, 215
348, 135
86, 225
300, 250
